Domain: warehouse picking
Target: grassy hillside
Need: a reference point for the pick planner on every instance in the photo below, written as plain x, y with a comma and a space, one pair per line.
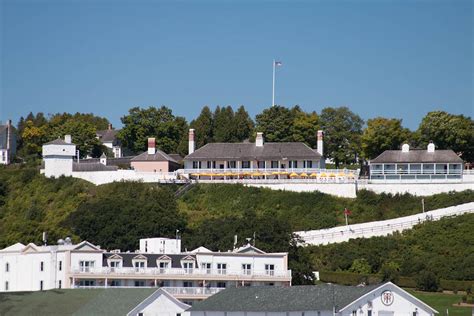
116, 215
304, 211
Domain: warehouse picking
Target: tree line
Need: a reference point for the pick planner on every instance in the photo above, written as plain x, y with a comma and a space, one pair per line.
348, 138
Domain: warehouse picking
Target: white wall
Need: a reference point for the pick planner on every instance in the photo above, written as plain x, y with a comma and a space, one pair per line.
102, 177
419, 189
162, 306
379, 228
57, 166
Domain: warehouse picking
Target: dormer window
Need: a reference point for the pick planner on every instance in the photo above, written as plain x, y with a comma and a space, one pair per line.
163, 263
188, 264
115, 262
139, 263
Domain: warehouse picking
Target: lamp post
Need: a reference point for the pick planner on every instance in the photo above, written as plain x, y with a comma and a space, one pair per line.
275, 64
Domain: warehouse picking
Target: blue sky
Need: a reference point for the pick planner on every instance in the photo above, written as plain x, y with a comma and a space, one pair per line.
380, 58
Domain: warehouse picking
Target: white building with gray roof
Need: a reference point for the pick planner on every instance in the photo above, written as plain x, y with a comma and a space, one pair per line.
418, 165
260, 159
314, 300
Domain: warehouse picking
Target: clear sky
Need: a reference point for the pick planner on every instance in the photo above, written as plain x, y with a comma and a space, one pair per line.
380, 58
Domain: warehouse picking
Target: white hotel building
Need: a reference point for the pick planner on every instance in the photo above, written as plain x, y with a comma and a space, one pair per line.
189, 276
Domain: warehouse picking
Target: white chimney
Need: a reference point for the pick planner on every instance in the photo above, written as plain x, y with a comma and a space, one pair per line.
109, 127
68, 139
259, 139
191, 144
151, 146
405, 148
320, 144
431, 147
103, 159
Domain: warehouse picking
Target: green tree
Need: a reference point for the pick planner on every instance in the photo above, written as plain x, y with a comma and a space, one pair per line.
140, 124
448, 131
276, 124
427, 281
343, 130
305, 127
203, 127
223, 127
243, 124
360, 266
390, 271
83, 135
119, 214
383, 134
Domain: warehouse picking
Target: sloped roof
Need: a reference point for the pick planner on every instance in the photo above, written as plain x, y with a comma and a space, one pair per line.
15, 247
282, 299
108, 135
73, 301
59, 141
151, 259
231, 151
417, 156
92, 167
157, 156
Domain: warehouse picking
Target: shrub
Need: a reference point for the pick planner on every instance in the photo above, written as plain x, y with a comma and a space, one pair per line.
427, 281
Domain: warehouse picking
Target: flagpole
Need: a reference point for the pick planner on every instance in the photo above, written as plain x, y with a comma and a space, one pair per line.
345, 214
273, 90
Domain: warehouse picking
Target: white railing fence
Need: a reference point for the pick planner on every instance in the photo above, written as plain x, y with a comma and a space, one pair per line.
379, 228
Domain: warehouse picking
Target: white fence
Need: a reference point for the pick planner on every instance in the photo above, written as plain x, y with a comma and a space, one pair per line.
379, 228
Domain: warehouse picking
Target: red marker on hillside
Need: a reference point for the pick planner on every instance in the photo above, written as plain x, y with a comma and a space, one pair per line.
347, 212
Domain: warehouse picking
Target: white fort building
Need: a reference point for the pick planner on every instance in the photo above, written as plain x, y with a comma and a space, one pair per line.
189, 275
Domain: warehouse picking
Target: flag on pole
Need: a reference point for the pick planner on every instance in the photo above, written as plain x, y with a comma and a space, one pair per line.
347, 212
278, 63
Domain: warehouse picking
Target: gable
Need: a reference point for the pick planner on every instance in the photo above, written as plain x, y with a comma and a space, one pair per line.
86, 246
139, 257
30, 248
389, 297
164, 258
160, 302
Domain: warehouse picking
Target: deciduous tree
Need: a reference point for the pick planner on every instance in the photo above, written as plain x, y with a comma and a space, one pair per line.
383, 134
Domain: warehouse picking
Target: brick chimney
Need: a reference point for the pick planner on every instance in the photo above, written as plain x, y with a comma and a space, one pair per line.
151, 146
9, 135
191, 143
320, 144
259, 140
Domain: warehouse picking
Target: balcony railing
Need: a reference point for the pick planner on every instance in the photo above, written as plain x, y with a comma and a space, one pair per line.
156, 272
415, 172
175, 291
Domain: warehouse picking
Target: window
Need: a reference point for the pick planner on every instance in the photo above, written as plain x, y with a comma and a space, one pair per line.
140, 314
293, 164
7, 267
206, 266
139, 283
115, 264
354, 313
246, 268
188, 267
209, 165
221, 285
60, 283
187, 284
309, 164
115, 283
41, 285
164, 265
196, 165
369, 313
139, 265
270, 269
6, 285
231, 164
260, 164
274, 164
221, 268
214, 164
60, 266
85, 266
245, 164
42, 266
87, 283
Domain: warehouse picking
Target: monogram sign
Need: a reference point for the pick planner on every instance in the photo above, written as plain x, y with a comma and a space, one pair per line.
387, 298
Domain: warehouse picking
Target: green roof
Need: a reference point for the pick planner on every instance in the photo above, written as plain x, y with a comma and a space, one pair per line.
73, 302
283, 299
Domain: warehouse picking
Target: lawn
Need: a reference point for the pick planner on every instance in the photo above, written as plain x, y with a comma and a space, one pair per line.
442, 301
